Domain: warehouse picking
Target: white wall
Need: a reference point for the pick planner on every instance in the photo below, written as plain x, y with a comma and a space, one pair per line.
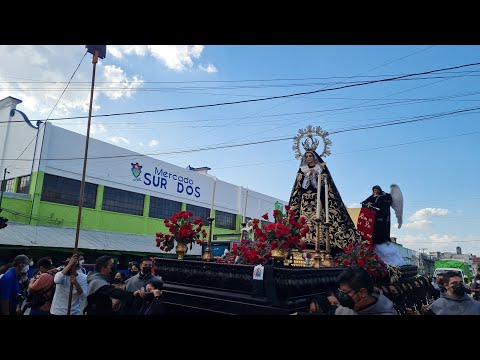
14, 138
62, 155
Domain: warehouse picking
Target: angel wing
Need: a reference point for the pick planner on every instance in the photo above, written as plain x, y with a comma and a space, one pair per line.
397, 203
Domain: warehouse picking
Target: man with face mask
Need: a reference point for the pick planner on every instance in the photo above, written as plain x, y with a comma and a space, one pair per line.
356, 293
100, 290
10, 287
139, 282
455, 301
145, 275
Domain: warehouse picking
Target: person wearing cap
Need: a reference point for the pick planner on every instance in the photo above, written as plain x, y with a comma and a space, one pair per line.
380, 202
10, 287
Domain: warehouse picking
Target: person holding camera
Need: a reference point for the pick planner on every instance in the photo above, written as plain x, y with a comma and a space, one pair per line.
71, 274
152, 300
139, 282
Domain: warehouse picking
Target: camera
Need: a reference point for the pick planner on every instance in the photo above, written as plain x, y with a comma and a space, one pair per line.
148, 295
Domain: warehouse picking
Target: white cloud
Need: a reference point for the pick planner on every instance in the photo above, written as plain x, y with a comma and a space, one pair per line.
118, 139
119, 83
96, 129
428, 212
175, 57
209, 68
421, 218
439, 239
38, 75
418, 224
153, 143
354, 205
140, 143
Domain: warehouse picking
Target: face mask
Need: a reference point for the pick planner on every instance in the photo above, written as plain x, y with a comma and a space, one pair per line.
117, 281
345, 300
25, 269
81, 262
146, 270
148, 296
31, 263
133, 273
458, 289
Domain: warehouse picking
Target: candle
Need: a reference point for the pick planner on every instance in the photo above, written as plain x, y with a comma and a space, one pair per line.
326, 199
213, 195
245, 207
319, 203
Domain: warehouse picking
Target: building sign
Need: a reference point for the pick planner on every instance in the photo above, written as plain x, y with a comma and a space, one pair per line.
164, 180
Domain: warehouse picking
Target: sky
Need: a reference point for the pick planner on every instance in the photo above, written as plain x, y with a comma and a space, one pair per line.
420, 132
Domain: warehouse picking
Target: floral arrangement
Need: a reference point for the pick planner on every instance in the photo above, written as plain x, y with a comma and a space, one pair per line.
182, 230
247, 252
284, 233
362, 255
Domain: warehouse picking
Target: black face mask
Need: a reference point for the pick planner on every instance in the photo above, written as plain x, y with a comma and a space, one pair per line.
458, 289
117, 281
133, 273
331, 309
146, 270
148, 296
345, 300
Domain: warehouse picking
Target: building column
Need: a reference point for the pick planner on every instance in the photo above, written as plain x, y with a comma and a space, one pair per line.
99, 197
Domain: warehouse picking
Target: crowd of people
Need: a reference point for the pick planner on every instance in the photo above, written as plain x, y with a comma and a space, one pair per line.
106, 291
357, 294
103, 291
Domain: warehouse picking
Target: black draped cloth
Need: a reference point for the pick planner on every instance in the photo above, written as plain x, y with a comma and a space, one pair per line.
381, 205
303, 200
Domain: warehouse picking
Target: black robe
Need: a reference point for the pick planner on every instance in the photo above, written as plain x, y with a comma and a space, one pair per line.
381, 226
304, 203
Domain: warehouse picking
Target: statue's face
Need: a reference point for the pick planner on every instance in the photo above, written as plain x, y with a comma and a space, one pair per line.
310, 158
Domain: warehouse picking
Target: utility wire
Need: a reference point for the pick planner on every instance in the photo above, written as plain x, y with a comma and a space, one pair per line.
278, 96
220, 146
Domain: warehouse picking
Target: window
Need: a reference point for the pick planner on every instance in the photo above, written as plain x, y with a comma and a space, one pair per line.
7, 185
122, 201
225, 220
24, 184
197, 211
66, 191
163, 208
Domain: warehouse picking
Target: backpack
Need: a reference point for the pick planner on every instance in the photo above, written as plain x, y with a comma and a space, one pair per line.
38, 299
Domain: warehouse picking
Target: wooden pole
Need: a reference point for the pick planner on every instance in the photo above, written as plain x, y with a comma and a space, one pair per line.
82, 186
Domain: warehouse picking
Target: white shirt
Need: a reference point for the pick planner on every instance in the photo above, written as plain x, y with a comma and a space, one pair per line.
62, 291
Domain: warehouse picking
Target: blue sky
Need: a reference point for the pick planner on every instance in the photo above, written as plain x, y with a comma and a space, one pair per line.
433, 161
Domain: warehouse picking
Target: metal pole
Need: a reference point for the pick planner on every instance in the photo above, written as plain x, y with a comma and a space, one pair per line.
82, 186
3, 185
39, 123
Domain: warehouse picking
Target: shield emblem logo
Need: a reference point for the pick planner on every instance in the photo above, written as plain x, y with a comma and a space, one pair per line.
136, 170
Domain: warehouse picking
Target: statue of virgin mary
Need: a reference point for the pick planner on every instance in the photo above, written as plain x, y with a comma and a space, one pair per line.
303, 199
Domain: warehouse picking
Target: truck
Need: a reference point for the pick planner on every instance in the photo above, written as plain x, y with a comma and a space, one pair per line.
442, 266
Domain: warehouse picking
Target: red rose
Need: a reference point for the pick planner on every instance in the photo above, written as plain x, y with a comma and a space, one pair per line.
265, 216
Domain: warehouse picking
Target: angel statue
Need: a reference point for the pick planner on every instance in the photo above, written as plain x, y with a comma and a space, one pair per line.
380, 203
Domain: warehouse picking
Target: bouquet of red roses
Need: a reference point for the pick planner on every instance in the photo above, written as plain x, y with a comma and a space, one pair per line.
182, 230
361, 254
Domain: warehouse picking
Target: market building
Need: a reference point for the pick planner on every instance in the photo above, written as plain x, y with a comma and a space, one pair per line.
127, 195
